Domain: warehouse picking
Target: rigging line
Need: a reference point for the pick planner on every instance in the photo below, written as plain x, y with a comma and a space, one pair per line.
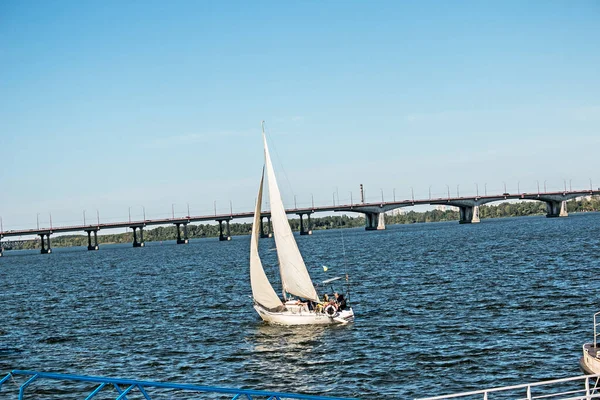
345, 267
281, 164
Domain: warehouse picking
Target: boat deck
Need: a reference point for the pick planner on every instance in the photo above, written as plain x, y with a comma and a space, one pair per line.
591, 350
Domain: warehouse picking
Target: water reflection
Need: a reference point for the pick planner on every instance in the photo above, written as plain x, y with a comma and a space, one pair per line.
293, 356
284, 339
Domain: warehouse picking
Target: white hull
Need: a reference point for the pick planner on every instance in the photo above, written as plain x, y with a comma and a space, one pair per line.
302, 316
590, 363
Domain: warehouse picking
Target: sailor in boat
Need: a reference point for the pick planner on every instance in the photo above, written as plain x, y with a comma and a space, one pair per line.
340, 300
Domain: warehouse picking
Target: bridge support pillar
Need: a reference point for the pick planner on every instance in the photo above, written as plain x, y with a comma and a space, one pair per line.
375, 221
262, 229
95, 245
185, 233
135, 240
45, 250
308, 230
469, 215
556, 209
227, 236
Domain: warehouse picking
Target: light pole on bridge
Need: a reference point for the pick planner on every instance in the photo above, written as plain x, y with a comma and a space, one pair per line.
37, 218
485, 188
312, 199
382, 196
83, 217
538, 186
394, 194
412, 194
591, 185
429, 192
188, 207
457, 192
477, 189
518, 187
545, 191
351, 202
504, 186
50, 214
129, 214
98, 216
448, 187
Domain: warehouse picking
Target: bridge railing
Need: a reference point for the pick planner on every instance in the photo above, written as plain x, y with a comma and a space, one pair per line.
582, 387
120, 388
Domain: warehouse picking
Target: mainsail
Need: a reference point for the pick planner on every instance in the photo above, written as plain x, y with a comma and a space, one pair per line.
262, 291
294, 275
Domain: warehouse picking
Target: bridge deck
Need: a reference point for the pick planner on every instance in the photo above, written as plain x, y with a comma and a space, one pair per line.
356, 207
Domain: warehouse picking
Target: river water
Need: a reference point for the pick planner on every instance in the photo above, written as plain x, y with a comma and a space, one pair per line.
440, 308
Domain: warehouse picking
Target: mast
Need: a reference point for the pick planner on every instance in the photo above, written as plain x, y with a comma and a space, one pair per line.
262, 124
295, 278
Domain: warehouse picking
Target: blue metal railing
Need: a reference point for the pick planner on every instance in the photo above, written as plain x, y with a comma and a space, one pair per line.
125, 386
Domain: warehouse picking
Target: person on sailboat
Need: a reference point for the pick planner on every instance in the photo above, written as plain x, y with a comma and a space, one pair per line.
303, 304
340, 300
330, 306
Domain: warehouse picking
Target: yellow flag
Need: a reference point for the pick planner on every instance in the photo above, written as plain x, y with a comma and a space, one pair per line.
325, 268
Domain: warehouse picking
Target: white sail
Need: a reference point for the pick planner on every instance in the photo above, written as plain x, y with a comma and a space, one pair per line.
294, 275
262, 291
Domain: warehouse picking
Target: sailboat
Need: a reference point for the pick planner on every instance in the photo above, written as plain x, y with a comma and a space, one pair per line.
295, 280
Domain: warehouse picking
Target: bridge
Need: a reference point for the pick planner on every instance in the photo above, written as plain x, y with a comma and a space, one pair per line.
374, 216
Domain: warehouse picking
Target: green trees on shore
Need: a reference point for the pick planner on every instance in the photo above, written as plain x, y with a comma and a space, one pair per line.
507, 209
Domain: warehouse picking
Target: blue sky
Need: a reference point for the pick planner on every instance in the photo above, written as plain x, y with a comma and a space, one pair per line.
111, 105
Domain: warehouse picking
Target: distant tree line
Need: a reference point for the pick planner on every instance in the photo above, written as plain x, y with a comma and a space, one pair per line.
516, 209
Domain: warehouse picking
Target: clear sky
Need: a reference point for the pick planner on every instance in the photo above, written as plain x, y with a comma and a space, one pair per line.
107, 105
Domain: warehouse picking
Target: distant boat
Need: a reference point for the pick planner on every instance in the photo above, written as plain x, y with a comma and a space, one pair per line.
590, 362
306, 309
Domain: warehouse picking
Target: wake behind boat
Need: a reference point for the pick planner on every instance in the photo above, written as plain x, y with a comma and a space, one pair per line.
295, 279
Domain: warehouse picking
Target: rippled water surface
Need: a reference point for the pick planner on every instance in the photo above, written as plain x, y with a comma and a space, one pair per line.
440, 308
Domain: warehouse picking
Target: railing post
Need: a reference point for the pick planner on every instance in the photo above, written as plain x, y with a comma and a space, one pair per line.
124, 394
528, 392
143, 391
7, 377
587, 388
24, 386
119, 390
595, 329
95, 392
